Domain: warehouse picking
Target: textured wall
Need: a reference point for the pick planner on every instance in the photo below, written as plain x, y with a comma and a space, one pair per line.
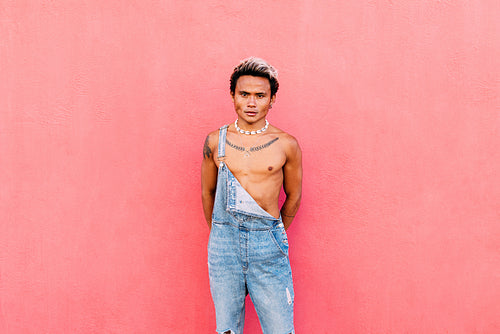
104, 107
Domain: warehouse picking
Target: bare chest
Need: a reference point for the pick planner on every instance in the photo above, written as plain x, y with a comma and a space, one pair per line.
255, 159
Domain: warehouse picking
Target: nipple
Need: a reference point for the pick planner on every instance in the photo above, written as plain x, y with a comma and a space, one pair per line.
270, 168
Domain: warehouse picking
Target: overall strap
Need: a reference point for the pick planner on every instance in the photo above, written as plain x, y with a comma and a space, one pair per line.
222, 142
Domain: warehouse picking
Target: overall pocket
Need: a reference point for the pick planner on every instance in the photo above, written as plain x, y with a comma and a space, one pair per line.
278, 235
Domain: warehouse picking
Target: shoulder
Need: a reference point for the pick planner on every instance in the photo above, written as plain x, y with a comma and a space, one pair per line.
210, 145
212, 138
289, 143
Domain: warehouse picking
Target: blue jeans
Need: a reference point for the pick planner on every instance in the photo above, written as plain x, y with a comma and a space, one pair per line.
247, 254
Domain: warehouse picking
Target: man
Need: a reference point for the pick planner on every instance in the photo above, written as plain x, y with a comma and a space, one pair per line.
244, 166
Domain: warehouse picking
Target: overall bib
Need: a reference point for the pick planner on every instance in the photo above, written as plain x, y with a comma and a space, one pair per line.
247, 254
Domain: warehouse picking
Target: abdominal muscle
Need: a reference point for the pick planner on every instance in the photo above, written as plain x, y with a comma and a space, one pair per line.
264, 190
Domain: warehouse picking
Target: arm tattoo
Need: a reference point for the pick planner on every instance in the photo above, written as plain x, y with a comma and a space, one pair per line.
207, 152
254, 148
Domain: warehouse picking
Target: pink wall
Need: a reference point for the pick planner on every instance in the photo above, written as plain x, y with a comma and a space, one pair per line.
104, 107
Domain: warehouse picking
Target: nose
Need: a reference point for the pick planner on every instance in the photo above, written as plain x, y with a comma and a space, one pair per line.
251, 101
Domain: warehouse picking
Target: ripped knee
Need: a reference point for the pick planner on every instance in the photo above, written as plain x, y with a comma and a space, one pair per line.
229, 331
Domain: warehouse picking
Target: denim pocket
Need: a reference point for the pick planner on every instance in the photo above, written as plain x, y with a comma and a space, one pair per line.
278, 235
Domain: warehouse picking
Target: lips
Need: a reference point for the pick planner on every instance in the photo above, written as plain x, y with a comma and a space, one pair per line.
251, 113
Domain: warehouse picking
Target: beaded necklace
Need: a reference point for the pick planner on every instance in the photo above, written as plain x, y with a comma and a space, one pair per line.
250, 132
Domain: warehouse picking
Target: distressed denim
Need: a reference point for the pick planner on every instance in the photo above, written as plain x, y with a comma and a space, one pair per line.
247, 254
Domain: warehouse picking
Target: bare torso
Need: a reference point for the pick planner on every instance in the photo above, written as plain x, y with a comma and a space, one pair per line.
257, 162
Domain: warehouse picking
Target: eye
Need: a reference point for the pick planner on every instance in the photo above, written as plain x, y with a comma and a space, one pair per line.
243, 94
260, 96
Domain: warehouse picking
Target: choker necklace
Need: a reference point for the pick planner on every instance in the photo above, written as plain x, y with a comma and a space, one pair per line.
250, 132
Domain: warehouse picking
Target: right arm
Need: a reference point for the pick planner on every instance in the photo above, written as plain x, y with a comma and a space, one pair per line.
208, 178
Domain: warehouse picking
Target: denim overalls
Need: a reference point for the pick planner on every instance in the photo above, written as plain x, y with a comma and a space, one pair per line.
247, 254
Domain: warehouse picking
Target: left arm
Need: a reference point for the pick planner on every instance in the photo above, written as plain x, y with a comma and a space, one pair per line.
292, 182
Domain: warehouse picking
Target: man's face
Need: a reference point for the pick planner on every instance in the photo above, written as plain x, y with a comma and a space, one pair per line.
252, 97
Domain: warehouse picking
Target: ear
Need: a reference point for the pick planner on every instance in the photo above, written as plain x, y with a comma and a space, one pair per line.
232, 96
273, 99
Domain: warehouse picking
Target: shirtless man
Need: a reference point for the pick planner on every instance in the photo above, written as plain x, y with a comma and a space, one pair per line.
244, 166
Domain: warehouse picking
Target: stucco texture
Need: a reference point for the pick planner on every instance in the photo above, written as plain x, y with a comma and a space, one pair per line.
104, 108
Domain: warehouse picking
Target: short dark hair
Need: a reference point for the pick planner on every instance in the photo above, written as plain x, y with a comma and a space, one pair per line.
257, 67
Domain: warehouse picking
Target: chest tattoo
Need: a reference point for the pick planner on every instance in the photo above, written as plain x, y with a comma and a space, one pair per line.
253, 148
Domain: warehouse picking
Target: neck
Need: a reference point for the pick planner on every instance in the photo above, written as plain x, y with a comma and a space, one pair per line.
251, 126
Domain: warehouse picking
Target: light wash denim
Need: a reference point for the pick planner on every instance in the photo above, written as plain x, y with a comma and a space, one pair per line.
247, 254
